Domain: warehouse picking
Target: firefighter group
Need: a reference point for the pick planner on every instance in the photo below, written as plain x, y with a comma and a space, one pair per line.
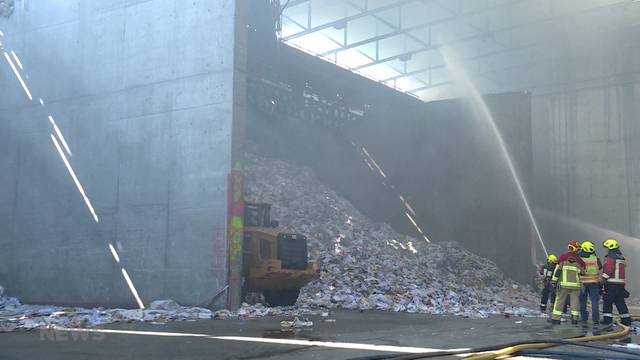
578, 276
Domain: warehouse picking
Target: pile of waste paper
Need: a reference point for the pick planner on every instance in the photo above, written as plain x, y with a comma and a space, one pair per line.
364, 266
369, 266
16, 316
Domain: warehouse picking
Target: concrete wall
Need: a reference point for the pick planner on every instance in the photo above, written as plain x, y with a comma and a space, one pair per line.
142, 93
587, 161
586, 149
593, 155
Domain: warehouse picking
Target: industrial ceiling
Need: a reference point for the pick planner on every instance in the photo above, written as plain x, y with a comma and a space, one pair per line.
502, 45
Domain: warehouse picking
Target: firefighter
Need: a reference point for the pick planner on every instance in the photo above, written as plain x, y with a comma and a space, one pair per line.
613, 275
590, 283
548, 292
573, 246
567, 277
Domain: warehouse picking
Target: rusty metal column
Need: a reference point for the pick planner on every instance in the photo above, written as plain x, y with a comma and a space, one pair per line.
235, 229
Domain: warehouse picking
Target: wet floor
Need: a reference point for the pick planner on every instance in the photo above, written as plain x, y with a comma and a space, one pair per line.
346, 335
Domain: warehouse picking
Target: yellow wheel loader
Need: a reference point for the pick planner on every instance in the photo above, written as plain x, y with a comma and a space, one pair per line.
274, 263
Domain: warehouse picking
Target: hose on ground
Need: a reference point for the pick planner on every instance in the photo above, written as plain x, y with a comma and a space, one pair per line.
576, 355
436, 354
495, 351
528, 345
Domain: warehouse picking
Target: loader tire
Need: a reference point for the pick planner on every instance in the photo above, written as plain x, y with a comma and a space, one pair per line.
281, 297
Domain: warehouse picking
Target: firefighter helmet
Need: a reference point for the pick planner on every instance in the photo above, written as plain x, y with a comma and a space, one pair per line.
610, 244
552, 258
574, 245
587, 246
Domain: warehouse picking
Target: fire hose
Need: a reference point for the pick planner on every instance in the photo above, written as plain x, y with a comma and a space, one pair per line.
509, 349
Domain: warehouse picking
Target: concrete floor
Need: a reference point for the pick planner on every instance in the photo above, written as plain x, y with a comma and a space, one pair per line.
189, 340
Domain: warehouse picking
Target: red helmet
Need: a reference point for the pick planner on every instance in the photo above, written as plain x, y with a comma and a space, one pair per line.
574, 245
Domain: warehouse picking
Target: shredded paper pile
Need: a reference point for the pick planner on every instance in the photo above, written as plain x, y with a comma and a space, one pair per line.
364, 266
367, 265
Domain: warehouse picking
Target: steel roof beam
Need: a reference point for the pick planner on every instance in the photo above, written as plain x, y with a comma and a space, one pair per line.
391, 25
344, 20
631, 77
329, 38
505, 29
293, 3
505, 68
469, 59
421, 26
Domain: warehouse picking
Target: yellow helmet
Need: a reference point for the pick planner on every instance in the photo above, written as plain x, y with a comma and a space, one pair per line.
552, 258
587, 246
610, 244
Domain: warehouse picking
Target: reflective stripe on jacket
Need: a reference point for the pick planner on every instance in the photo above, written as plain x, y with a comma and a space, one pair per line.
614, 267
567, 272
570, 276
591, 270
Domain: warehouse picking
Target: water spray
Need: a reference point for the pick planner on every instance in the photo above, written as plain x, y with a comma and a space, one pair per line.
461, 79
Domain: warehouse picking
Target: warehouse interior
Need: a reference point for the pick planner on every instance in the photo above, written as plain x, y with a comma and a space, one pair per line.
297, 179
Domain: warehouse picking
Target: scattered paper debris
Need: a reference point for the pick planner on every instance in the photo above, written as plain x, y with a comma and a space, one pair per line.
296, 323
168, 305
15, 316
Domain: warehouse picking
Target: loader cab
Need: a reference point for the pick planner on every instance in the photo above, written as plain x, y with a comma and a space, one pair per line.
259, 215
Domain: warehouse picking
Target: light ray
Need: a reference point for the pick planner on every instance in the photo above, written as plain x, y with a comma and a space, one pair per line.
15, 71
15, 57
75, 178
59, 133
462, 79
114, 253
132, 288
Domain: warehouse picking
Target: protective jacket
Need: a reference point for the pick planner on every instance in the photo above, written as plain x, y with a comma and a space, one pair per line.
546, 270
613, 270
591, 269
568, 271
